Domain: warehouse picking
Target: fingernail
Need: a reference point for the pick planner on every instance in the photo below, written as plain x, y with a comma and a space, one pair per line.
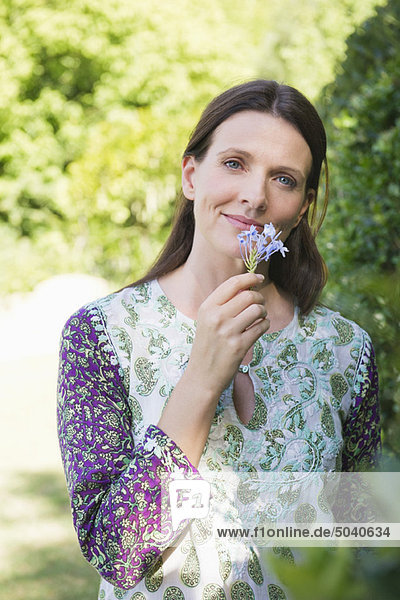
260, 276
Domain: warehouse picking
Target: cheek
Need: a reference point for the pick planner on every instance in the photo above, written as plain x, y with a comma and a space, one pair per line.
287, 222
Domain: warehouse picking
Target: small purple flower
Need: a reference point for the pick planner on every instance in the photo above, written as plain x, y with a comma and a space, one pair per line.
255, 247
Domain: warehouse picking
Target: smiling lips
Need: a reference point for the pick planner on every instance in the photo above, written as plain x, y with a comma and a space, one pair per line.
242, 223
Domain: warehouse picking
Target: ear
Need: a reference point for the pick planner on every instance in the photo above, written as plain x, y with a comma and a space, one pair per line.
309, 199
188, 176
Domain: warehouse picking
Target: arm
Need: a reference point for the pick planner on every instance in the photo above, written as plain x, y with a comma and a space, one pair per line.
361, 430
115, 488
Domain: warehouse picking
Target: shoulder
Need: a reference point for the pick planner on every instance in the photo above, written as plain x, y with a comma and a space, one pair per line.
338, 343
341, 352
324, 323
85, 337
98, 312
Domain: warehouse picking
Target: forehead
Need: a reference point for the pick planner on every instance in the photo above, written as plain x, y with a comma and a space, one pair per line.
263, 135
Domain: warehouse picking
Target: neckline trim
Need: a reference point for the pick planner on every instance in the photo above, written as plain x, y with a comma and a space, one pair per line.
179, 313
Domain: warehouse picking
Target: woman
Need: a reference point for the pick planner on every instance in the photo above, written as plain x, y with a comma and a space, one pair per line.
201, 365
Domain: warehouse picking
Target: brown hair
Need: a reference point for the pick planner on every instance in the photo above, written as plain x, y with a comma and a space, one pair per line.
302, 272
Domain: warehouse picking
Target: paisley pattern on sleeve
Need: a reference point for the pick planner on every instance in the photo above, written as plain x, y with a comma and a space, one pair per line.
361, 430
115, 488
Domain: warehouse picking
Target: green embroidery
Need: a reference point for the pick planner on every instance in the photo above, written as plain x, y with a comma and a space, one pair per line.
225, 563
288, 356
284, 553
189, 331
339, 388
190, 572
271, 378
142, 293
304, 378
246, 491
213, 591
136, 409
308, 325
257, 354
167, 310
234, 443
254, 568
260, 415
241, 590
147, 374
323, 503
124, 341
271, 337
201, 530
274, 450
323, 358
327, 422
173, 593
345, 332
305, 513
275, 592
133, 319
158, 344
350, 373
154, 576
294, 418
213, 464
127, 377
288, 495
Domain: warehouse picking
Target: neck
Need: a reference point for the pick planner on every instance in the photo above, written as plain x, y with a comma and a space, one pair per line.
202, 277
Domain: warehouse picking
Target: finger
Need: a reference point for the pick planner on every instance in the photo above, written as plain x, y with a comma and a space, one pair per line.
229, 288
251, 335
241, 301
249, 316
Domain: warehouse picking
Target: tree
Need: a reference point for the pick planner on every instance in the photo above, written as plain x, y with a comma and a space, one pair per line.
362, 111
97, 102
305, 40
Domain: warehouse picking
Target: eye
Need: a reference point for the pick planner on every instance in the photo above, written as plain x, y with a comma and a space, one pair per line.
233, 164
286, 181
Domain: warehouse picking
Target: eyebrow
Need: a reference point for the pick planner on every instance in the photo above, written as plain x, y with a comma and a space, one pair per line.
292, 169
234, 150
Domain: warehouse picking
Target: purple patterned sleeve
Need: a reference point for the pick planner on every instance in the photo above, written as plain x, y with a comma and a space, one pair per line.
361, 430
115, 487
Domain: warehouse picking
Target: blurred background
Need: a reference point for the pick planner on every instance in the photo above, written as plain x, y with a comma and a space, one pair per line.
97, 100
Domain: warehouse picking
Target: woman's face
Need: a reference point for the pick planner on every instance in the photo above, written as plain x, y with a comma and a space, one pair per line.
255, 172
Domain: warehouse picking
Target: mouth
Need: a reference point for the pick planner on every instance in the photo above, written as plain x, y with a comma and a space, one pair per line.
243, 223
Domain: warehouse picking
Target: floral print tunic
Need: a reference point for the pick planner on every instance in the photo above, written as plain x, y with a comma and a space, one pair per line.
316, 409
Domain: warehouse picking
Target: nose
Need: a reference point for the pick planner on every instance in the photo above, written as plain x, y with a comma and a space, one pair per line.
254, 192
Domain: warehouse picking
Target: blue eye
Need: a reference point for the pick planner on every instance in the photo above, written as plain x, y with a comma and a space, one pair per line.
287, 181
233, 164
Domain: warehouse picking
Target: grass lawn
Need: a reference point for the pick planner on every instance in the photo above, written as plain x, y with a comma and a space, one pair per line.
39, 553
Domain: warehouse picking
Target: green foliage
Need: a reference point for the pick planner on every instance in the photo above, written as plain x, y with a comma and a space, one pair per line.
363, 109
305, 40
341, 573
97, 102
361, 235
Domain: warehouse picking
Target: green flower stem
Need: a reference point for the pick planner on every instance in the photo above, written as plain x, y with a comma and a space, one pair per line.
251, 264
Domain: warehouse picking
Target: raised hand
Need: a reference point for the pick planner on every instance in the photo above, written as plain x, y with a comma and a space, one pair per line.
229, 321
